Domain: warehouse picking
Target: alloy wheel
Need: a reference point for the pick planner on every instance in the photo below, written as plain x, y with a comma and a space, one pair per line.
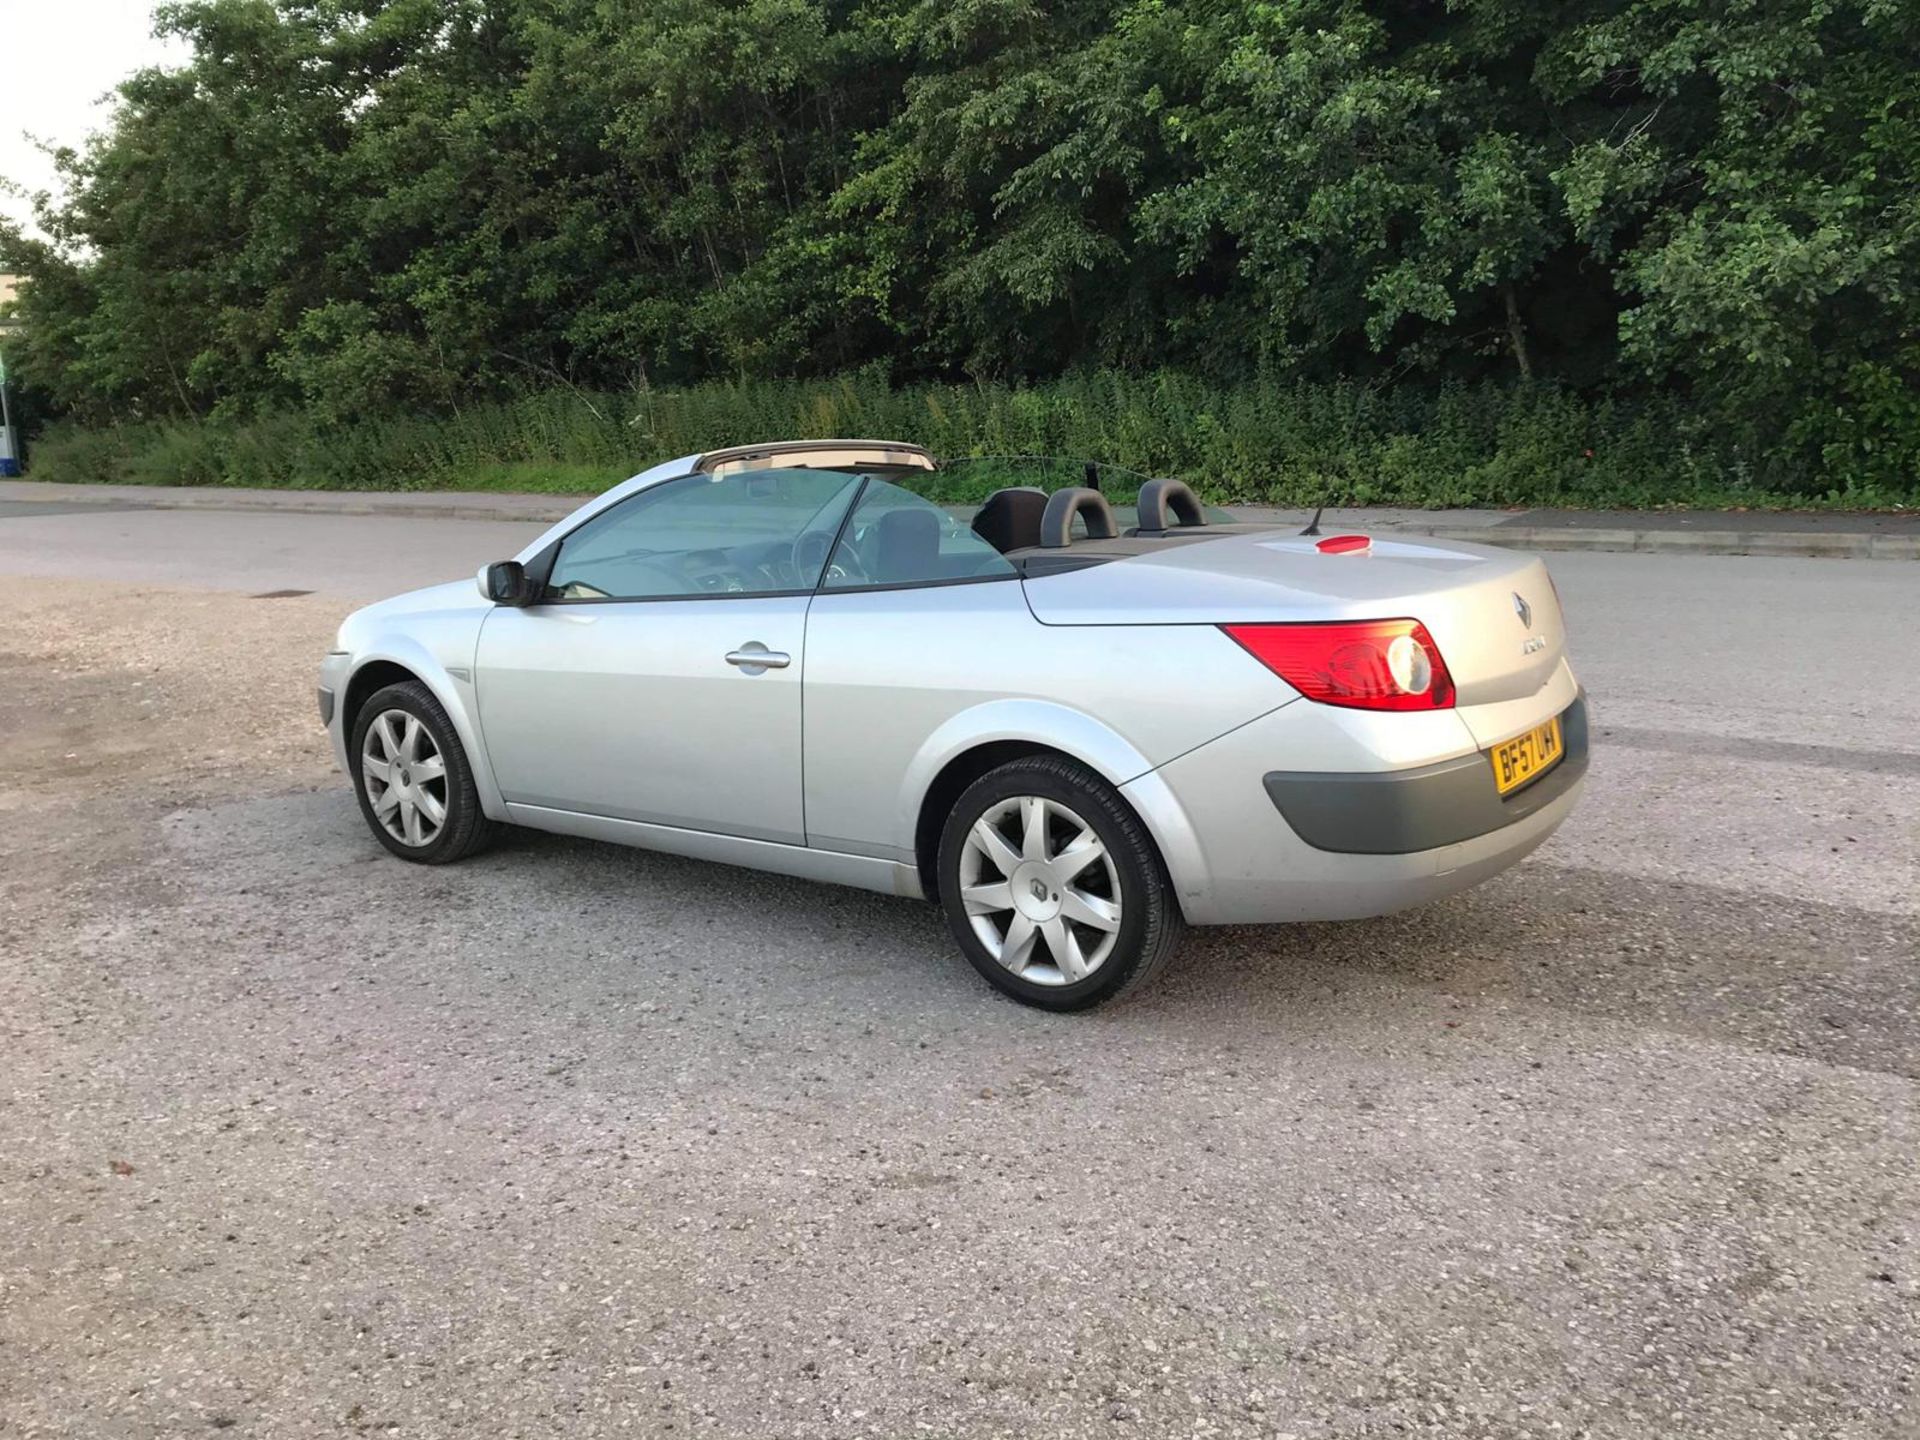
1040, 890
405, 776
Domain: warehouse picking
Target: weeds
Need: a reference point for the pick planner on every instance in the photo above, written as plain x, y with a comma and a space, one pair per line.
1289, 444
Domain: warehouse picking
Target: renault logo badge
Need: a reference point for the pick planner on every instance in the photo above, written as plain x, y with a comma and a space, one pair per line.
1522, 609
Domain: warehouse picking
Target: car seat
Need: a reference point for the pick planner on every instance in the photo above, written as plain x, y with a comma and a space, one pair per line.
906, 546
1010, 519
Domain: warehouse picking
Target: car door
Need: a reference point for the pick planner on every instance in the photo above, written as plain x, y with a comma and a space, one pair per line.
658, 677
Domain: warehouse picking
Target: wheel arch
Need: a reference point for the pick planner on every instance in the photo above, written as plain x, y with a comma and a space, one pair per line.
946, 789
367, 678
979, 740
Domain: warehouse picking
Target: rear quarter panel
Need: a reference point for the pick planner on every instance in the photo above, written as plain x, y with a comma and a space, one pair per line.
1470, 598
900, 682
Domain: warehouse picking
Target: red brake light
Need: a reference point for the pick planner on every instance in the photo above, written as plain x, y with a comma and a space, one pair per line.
1362, 664
1345, 544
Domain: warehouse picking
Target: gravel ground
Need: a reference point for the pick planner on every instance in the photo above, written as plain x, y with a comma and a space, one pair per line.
570, 1140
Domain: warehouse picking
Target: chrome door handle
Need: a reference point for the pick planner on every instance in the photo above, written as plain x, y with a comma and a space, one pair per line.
753, 658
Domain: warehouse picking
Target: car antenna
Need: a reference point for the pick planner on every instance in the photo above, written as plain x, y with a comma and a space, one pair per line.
1313, 525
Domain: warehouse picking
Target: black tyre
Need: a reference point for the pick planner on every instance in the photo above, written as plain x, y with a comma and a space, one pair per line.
413, 780
1053, 888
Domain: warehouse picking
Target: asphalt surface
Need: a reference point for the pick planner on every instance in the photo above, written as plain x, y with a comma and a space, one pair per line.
297, 1140
1829, 522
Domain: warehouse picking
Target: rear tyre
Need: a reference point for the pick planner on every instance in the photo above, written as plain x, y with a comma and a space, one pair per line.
412, 778
1053, 888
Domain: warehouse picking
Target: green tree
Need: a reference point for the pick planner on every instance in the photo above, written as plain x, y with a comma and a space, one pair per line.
365, 207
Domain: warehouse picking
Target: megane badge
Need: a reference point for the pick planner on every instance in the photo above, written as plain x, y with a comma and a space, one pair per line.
1522, 609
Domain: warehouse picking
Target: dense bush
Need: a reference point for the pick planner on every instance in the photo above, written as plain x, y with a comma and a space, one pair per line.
1287, 443
1442, 221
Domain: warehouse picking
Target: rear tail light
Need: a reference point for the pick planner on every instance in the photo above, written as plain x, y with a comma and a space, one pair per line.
1362, 664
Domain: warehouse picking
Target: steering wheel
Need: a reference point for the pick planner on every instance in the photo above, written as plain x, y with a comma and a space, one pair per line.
810, 551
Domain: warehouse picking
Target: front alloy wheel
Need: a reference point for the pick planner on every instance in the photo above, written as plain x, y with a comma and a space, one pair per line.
1052, 886
406, 778
412, 778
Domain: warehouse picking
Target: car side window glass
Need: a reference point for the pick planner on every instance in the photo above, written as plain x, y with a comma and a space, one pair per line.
896, 537
753, 532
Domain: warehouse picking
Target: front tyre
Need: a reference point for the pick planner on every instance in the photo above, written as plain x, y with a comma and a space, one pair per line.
412, 778
1052, 886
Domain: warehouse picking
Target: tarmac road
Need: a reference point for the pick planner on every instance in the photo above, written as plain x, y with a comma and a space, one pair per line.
571, 1140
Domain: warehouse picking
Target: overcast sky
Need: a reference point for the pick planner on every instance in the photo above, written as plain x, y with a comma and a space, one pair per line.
58, 58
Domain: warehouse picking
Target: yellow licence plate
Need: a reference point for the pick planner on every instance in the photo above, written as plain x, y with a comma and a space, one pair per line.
1526, 757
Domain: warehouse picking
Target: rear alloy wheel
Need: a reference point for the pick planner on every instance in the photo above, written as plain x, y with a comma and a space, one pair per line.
415, 786
1052, 886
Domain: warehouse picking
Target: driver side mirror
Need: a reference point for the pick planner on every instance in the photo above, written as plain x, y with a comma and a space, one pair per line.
505, 583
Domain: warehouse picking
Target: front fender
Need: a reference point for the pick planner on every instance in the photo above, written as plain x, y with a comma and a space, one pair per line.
456, 695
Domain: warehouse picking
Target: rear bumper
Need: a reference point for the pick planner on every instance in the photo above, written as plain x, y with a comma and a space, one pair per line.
1395, 812
1236, 857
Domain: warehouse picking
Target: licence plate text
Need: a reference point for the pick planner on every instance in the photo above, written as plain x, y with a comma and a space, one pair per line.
1527, 757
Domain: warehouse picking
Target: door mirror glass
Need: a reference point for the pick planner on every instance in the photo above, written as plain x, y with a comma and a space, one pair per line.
505, 583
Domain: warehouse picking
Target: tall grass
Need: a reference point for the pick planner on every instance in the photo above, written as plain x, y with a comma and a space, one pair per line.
1283, 443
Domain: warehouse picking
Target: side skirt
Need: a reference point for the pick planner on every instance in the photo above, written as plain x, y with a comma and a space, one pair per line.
863, 872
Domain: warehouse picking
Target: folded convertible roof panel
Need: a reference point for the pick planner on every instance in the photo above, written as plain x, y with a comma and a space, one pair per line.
816, 455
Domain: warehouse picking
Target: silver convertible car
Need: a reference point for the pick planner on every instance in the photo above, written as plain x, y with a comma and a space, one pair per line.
1077, 730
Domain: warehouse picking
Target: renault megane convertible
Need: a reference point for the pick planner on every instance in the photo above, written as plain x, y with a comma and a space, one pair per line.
1076, 730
